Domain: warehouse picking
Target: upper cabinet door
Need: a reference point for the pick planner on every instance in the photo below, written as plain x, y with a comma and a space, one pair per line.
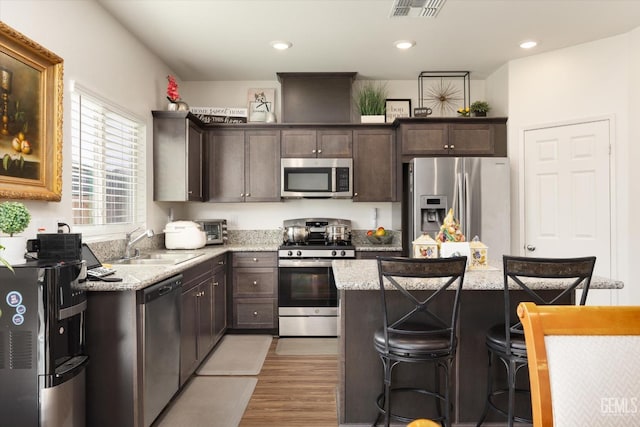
471, 139
262, 166
177, 157
374, 166
299, 143
335, 143
195, 162
225, 166
424, 139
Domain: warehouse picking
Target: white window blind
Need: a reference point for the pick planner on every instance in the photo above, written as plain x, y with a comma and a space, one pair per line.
108, 187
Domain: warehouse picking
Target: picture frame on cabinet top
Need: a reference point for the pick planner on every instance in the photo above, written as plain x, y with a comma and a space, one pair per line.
395, 108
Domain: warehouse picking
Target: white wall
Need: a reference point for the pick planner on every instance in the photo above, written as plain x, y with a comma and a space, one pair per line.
587, 81
102, 57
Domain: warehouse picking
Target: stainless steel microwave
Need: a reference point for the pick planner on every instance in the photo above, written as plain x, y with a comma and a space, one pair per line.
319, 178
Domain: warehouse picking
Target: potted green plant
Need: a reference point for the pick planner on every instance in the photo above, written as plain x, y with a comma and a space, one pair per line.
14, 219
480, 108
371, 99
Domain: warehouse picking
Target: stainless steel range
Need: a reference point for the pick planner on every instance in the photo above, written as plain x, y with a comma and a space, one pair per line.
307, 294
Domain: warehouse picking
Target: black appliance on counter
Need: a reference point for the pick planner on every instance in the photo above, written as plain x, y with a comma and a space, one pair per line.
42, 345
307, 294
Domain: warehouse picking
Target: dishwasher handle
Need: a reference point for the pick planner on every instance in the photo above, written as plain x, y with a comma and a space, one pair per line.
161, 289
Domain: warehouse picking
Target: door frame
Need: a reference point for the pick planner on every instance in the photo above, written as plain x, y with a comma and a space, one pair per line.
613, 250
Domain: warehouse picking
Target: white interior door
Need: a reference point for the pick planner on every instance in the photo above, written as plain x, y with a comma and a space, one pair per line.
567, 195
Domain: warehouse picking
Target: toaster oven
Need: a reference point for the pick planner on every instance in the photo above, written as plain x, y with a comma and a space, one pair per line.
215, 230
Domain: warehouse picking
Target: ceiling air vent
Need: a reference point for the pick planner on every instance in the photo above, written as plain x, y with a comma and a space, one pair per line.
416, 8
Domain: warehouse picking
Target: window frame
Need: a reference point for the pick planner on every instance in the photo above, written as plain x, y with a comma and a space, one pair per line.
139, 193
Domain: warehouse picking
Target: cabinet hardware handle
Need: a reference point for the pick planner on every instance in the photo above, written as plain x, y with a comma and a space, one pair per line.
241, 194
255, 260
189, 192
220, 262
255, 283
313, 151
530, 248
446, 147
452, 146
248, 194
355, 194
319, 151
255, 313
215, 283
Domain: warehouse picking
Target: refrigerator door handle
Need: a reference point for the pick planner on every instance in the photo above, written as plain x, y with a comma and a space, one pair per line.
467, 207
456, 206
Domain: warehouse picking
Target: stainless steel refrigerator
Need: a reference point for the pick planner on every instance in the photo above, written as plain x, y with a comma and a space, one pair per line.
477, 188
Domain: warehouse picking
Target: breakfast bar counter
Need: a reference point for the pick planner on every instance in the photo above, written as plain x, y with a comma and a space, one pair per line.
360, 369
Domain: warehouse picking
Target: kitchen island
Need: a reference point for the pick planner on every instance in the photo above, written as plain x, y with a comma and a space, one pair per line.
360, 369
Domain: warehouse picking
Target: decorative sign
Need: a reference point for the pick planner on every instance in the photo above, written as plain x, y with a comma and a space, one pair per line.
395, 108
220, 114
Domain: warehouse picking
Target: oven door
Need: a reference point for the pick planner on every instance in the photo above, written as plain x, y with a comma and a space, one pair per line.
307, 283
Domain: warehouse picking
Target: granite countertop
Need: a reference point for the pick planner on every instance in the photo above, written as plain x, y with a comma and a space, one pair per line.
362, 275
139, 276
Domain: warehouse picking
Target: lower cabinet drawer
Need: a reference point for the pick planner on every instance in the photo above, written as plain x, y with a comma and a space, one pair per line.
255, 313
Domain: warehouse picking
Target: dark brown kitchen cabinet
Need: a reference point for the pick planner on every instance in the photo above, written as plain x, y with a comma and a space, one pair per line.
243, 166
203, 318
219, 297
452, 137
374, 165
321, 143
255, 284
177, 157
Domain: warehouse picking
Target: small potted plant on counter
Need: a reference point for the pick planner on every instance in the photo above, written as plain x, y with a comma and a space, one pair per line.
371, 100
14, 218
480, 108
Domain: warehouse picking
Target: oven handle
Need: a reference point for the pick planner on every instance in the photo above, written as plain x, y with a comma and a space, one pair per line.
287, 263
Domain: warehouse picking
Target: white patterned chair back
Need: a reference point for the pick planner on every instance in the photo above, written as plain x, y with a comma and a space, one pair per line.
584, 364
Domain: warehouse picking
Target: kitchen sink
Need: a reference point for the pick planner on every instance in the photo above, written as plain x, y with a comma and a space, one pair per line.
158, 258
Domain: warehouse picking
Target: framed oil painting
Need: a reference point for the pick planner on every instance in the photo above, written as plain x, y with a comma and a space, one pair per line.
31, 119
260, 102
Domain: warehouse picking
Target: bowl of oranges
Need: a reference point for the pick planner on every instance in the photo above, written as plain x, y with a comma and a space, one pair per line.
380, 236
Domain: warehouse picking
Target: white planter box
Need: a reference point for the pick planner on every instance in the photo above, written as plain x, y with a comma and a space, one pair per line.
372, 119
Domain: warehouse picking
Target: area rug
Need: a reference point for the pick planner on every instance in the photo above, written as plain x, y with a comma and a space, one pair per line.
307, 346
210, 402
237, 355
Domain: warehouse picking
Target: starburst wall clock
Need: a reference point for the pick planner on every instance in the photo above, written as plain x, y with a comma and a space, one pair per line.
444, 91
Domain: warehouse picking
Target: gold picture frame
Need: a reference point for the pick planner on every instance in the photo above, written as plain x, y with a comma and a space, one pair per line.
31, 90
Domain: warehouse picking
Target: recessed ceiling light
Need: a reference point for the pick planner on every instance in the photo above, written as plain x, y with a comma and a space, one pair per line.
281, 45
404, 44
528, 44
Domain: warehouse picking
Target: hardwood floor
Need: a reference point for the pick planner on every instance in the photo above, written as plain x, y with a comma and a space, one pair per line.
294, 391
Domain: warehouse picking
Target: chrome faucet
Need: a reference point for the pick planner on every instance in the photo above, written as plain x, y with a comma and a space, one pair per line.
130, 243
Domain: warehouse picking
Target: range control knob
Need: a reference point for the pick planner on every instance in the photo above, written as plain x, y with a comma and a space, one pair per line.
299, 253
289, 253
333, 253
343, 253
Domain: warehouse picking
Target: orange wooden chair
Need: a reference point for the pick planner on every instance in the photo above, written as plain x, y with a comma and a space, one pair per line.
584, 364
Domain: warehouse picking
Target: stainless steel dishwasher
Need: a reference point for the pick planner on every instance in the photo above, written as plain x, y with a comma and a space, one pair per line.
160, 311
